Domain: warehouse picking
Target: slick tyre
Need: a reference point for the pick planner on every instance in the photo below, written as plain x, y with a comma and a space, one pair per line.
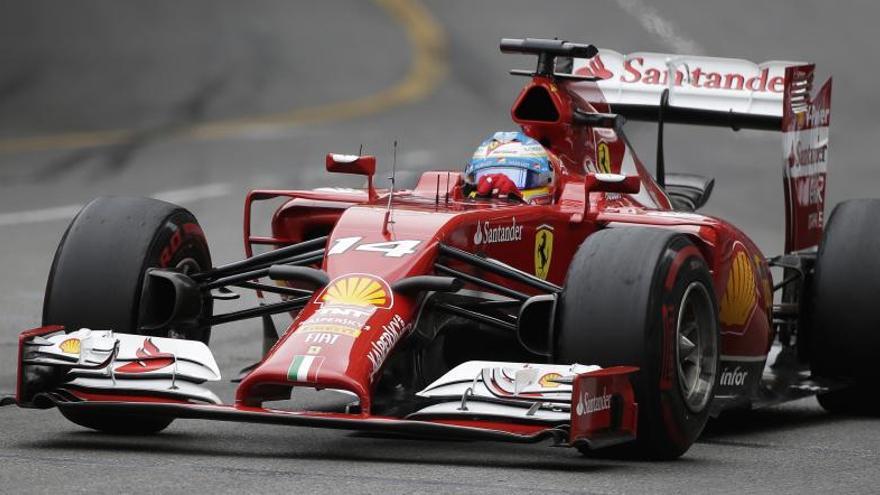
844, 342
98, 273
644, 297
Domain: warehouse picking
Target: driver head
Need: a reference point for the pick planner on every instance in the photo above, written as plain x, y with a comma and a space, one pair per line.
519, 158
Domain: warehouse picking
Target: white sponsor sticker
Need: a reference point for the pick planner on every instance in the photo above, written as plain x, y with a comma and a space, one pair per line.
380, 348
734, 377
593, 403
492, 234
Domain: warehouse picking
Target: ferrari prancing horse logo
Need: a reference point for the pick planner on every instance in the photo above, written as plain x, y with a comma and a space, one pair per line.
603, 156
543, 250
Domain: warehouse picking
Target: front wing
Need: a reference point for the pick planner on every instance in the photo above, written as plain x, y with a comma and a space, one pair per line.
106, 372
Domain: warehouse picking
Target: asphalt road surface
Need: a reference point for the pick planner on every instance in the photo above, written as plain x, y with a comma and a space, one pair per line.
198, 101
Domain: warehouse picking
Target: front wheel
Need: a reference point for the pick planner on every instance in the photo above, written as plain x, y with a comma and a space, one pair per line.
643, 297
98, 273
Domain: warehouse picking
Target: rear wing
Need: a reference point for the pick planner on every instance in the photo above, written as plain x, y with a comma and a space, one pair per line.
702, 90
709, 91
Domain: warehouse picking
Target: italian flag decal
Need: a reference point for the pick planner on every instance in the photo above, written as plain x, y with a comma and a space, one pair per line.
305, 368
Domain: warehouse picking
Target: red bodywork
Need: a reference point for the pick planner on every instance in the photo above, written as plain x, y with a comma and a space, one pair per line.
435, 211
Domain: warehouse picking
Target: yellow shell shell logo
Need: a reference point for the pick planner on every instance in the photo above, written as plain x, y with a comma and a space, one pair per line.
70, 346
801, 118
547, 381
357, 291
740, 295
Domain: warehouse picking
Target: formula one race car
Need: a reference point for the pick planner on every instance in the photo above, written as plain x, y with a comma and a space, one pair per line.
608, 314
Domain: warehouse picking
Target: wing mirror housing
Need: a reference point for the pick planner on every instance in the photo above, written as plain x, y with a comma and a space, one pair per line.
609, 183
613, 183
351, 164
354, 164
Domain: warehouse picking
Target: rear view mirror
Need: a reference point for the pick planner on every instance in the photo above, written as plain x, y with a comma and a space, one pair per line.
351, 164
354, 164
614, 183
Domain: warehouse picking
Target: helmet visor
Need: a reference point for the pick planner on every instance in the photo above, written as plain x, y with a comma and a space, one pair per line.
523, 178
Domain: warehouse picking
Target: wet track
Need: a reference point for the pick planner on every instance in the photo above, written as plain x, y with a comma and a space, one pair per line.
198, 102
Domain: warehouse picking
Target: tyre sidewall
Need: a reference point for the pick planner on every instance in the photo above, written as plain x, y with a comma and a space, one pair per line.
668, 426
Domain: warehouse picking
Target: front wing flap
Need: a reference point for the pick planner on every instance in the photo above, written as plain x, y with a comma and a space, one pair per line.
105, 363
597, 405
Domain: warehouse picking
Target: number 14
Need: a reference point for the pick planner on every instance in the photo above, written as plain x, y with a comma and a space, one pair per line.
394, 249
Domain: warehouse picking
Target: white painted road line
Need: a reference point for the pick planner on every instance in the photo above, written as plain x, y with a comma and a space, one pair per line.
34, 216
652, 22
188, 195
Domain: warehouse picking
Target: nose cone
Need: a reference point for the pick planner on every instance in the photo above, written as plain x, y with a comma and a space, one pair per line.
339, 341
369, 239
342, 338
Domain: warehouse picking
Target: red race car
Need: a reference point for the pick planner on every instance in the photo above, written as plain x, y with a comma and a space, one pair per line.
555, 289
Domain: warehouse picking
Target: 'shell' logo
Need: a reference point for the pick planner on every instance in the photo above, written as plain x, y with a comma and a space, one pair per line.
360, 290
740, 294
549, 380
70, 346
150, 358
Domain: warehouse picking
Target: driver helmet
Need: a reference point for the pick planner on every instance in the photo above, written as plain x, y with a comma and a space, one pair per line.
522, 159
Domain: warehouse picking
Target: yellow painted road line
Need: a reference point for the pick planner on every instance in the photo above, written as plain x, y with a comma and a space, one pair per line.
427, 70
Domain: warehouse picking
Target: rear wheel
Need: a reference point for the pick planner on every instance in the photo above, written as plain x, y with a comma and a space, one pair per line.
844, 339
98, 274
643, 297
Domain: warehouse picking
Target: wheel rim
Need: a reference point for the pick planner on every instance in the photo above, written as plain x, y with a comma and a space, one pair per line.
696, 347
